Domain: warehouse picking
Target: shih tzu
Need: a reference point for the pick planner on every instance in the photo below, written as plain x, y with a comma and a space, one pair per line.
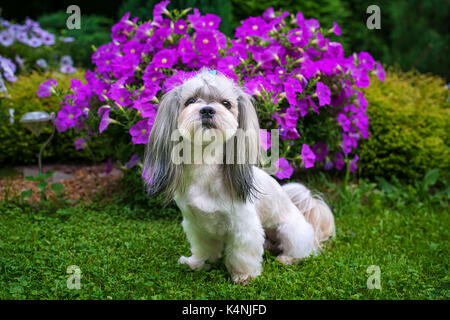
230, 206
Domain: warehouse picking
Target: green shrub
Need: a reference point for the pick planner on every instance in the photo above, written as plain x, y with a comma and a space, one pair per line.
17, 144
409, 127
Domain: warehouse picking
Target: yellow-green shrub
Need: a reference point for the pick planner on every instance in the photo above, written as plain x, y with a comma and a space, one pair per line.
17, 144
409, 126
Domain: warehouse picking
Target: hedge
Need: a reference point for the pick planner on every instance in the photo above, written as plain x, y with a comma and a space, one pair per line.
409, 126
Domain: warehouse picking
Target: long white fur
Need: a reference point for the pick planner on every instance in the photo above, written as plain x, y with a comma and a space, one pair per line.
216, 223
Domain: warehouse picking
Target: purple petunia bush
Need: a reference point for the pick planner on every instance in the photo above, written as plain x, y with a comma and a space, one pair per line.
304, 85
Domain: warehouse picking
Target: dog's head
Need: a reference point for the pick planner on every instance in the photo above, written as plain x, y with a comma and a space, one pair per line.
208, 102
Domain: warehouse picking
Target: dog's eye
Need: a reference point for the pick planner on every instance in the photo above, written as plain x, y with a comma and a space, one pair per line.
227, 104
189, 101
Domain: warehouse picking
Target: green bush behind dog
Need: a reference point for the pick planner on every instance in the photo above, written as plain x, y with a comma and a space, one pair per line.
409, 121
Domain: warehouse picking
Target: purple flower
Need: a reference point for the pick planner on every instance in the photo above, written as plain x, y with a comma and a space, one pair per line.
285, 170
123, 28
344, 122
339, 162
308, 156
352, 165
328, 165
205, 43
140, 132
103, 112
365, 60
41, 63
46, 88
120, 95
253, 26
336, 29
80, 144
67, 117
66, 61
67, 69
158, 10
180, 27
323, 93
291, 87
381, 75
6, 38
134, 160
320, 150
164, 59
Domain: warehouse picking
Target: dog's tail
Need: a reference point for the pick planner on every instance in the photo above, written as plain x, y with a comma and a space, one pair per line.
315, 210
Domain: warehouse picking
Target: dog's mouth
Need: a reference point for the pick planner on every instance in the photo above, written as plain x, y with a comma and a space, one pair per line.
208, 123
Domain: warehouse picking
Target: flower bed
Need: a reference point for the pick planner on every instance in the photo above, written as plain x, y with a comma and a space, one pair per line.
303, 84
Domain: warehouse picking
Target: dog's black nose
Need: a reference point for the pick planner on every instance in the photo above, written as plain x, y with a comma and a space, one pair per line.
207, 111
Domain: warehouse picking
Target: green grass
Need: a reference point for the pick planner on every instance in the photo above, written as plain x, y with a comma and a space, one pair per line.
126, 253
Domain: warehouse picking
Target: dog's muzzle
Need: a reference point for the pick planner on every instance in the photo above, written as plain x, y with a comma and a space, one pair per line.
207, 115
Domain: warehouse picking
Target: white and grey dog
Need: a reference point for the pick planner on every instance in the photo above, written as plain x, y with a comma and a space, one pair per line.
229, 207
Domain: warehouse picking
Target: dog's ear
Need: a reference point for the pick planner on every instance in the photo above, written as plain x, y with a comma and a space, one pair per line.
160, 173
242, 152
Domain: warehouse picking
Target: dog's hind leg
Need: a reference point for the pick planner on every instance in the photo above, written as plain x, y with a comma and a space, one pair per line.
296, 238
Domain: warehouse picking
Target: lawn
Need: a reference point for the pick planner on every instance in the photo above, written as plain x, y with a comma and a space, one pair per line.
131, 253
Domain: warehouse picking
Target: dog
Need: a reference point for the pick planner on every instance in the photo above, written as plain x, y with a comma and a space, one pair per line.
230, 205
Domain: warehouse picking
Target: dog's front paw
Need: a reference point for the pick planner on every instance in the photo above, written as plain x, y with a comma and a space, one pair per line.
242, 279
287, 259
194, 263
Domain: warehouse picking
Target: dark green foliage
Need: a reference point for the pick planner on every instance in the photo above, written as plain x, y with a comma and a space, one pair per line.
413, 34
95, 31
144, 9
409, 127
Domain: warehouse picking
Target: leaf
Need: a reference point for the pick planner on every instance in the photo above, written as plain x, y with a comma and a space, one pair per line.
430, 178
26, 194
30, 178
49, 174
57, 187
42, 185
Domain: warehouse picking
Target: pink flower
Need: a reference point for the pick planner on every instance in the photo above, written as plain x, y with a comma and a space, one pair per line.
308, 156
285, 170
